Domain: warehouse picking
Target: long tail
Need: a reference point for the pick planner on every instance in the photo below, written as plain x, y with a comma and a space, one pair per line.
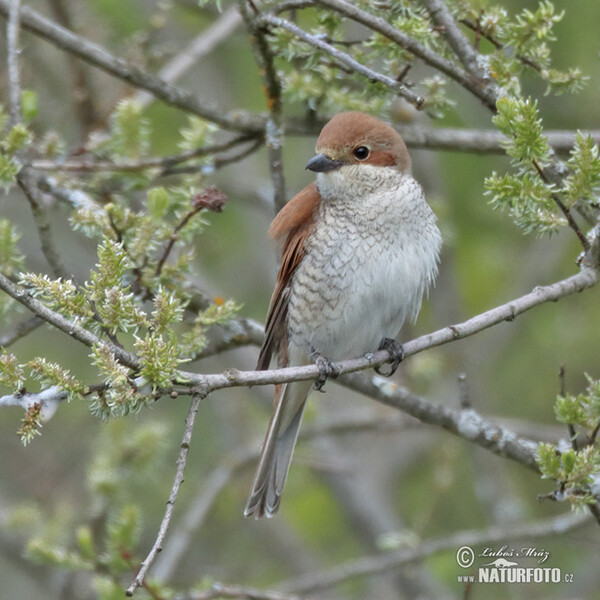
277, 450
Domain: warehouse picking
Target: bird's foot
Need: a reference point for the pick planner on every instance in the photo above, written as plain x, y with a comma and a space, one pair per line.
326, 370
396, 352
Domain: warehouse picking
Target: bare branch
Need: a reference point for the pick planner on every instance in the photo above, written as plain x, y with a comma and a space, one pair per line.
198, 48
27, 183
12, 60
100, 57
20, 331
586, 278
343, 58
159, 162
164, 526
83, 97
479, 141
222, 590
467, 424
458, 42
384, 562
274, 137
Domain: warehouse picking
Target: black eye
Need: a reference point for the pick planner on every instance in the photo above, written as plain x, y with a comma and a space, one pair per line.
362, 152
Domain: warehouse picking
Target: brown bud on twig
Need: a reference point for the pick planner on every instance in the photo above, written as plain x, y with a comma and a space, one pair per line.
211, 199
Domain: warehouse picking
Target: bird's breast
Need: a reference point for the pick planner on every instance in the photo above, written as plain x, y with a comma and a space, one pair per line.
368, 262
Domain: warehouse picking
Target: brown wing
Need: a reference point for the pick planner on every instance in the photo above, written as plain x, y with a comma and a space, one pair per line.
293, 224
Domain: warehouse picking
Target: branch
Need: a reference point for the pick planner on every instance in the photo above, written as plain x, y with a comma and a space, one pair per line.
274, 132
48, 399
40, 216
164, 526
586, 278
206, 384
24, 297
222, 590
458, 42
20, 331
464, 423
199, 47
83, 96
479, 141
160, 162
12, 62
484, 93
392, 560
98, 56
343, 58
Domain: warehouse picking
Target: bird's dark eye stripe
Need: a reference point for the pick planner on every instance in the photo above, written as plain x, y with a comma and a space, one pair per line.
362, 152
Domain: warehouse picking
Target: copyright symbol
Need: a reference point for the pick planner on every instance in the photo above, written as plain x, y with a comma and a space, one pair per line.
465, 557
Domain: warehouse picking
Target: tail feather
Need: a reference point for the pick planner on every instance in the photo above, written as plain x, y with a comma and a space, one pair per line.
278, 447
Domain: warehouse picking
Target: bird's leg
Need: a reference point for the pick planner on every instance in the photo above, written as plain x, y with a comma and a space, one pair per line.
396, 352
326, 369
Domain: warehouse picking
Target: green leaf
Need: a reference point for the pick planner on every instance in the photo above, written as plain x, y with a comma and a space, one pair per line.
29, 105
158, 202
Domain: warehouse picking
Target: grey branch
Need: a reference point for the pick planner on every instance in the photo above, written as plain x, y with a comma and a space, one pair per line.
206, 384
49, 399
222, 590
81, 334
20, 331
467, 424
98, 56
27, 183
384, 562
164, 526
586, 278
343, 58
12, 60
485, 94
457, 40
199, 47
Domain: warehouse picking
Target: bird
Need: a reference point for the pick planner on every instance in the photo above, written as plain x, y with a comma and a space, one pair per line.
359, 249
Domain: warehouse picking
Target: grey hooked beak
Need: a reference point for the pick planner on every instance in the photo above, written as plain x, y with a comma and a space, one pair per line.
321, 163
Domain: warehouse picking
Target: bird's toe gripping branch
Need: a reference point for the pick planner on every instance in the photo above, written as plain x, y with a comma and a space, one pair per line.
396, 352
326, 370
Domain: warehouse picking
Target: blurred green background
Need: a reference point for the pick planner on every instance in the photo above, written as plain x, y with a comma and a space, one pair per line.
421, 482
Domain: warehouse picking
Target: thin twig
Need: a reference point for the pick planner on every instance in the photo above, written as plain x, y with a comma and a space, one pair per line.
219, 161
223, 590
174, 237
159, 162
384, 562
343, 58
77, 332
458, 42
164, 526
565, 211
24, 178
12, 60
199, 47
20, 331
274, 133
98, 56
27, 184
465, 79
83, 96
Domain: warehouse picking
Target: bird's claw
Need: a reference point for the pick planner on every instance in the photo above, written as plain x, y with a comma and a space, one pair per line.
326, 370
396, 352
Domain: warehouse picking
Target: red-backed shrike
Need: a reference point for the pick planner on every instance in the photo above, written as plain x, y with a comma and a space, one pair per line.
360, 248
